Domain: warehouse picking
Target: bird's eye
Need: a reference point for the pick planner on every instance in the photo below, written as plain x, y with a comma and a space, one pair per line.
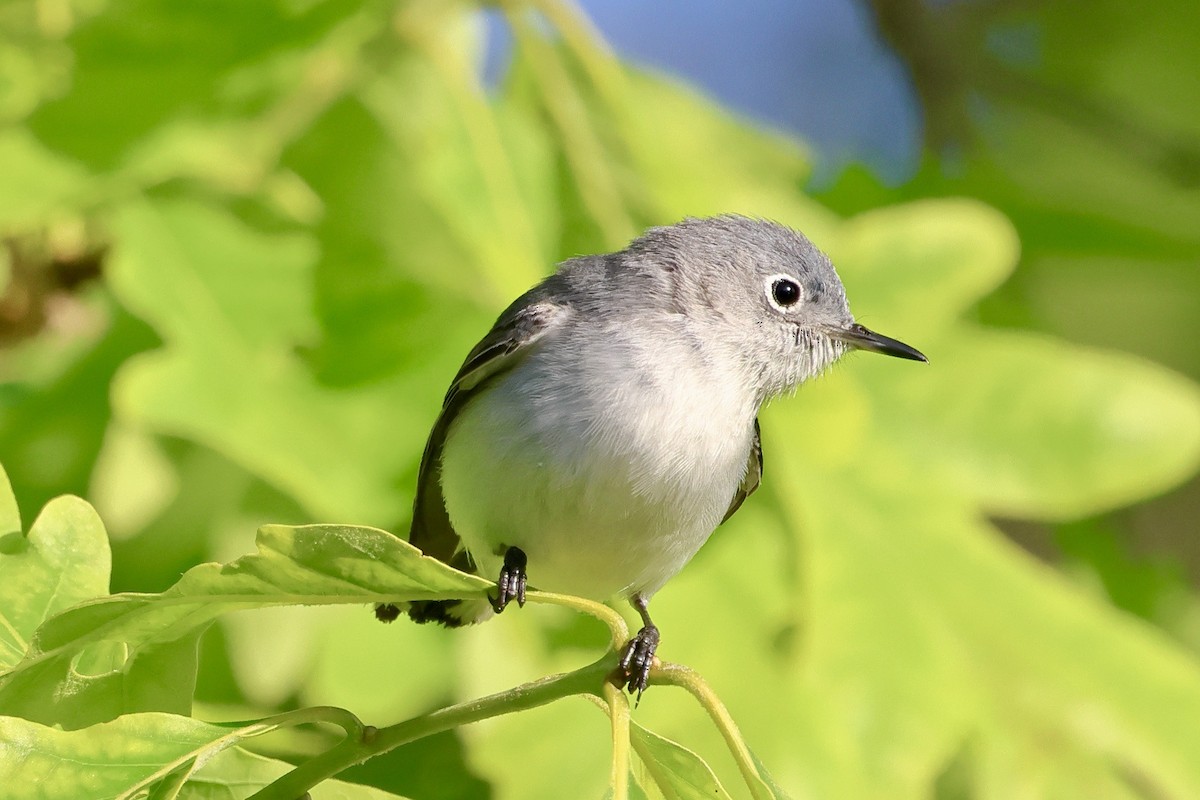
785, 292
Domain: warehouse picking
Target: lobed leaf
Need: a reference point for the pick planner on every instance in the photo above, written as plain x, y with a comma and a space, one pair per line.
150, 640
1048, 430
914, 268
146, 755
235, 773
62, 561
926, 627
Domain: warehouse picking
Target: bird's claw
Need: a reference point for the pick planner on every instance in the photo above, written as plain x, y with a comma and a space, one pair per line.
638, 659
511, 583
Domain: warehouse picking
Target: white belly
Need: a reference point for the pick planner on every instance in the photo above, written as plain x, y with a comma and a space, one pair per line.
609, 494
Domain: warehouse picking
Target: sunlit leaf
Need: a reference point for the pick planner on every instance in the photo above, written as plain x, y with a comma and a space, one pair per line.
63, 560
1047, 430
915, 268
919, 627
234, 773
138, 647
679, 772
165, 755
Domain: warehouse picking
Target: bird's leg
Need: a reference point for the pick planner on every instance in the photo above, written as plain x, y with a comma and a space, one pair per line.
638, 657
511, 583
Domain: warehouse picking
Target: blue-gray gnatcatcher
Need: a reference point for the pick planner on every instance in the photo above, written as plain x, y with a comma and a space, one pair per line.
607, 424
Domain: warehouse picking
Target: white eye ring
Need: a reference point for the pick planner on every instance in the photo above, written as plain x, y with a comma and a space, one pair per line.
784, 292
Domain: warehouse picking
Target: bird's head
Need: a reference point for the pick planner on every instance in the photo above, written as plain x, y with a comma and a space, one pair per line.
767, 292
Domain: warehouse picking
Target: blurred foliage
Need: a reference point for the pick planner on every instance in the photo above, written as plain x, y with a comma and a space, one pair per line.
247, 245
1081, 125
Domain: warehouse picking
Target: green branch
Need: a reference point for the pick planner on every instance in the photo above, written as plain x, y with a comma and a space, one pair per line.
364, 742
618, 712
375, 741
679, 675
584, 151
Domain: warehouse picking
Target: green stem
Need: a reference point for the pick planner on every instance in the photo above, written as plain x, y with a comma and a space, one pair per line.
514, 250
510, 211
344, 719
679, 675
374, 741
618, 712
589, 47
590, 164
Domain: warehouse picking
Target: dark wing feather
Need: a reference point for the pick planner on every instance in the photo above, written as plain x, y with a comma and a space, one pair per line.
499, 351
754, 471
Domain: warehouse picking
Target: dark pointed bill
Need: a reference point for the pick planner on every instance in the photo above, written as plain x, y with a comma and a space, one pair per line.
863, 339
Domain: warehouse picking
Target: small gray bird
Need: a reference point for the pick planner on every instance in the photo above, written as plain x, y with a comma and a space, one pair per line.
607, 424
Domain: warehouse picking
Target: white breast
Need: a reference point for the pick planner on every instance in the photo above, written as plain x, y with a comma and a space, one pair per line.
608, 459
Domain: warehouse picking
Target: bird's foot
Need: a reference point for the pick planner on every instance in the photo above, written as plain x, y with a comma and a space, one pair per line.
511, 584
638, 659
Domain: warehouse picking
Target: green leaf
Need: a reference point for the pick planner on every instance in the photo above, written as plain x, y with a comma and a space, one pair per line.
434, 186
200, 62
63, 560
889, 622
235, 773
1002, 643
148, 641
167, 756
915, 268
497, 217
112, 759
101, 679
679, 772
1049, 430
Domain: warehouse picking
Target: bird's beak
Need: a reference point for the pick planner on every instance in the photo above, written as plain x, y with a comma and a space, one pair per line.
863, 339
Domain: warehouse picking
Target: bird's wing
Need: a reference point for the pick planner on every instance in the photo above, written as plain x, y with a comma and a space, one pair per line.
503, 347
753, 477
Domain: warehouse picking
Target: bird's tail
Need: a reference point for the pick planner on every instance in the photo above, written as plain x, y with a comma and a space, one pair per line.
451, 613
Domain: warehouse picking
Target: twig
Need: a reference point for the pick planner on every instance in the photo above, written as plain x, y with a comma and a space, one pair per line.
374, 741
679, 675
